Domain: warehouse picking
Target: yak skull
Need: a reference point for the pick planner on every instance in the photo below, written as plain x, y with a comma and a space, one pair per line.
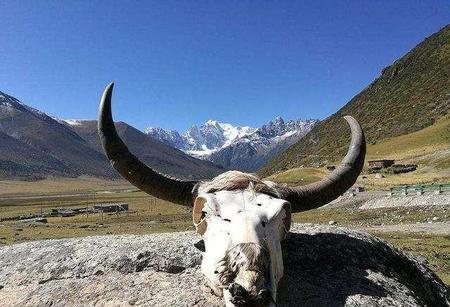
242, 231
242, 219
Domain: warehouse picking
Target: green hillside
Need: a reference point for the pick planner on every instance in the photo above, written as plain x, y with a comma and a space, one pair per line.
429, 148
411, 94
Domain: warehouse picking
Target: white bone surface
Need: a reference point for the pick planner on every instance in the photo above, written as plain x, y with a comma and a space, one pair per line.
240, 216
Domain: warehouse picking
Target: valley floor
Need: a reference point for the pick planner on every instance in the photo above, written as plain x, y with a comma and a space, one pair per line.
422, 230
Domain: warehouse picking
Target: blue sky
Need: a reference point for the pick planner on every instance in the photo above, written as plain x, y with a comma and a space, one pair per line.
177, 63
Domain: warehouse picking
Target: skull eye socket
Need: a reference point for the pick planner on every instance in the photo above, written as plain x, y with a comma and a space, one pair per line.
263, 223
259, 205
226, 220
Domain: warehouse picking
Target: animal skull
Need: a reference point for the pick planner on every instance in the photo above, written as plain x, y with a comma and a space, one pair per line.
242, 231
241, 219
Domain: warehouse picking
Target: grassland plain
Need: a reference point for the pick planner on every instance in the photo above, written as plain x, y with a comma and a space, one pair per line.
411, 94
61, 185
146, 215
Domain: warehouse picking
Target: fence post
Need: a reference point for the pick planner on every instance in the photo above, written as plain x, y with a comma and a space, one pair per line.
405, 190
391, 192
420, 190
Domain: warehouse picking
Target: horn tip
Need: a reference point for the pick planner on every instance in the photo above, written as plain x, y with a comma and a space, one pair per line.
109, 87
106, 97
104, 113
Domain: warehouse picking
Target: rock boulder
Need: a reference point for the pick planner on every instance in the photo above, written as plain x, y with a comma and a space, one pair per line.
325, 266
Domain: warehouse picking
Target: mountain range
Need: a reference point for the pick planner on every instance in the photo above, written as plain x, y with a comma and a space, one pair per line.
34, 145
236, 147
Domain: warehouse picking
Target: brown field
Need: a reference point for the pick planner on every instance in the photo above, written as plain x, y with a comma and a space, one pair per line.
50, 185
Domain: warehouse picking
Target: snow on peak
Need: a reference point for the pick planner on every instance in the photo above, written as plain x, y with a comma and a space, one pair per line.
213, 136
202, 140
212, 122
75, 122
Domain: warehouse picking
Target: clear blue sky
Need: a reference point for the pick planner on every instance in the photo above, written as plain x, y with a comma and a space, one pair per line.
177, 63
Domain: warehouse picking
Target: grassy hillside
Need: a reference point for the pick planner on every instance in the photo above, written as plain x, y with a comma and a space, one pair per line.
411, 94
429, 148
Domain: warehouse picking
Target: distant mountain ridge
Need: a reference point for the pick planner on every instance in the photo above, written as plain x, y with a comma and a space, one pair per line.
34, 145
236, 147
409, 95
201, 141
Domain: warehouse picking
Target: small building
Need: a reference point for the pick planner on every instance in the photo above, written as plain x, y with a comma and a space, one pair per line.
376, 165
403, 168
111, 207
381, 163
63, 212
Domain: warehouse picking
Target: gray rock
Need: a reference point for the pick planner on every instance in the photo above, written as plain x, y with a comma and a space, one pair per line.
325, 266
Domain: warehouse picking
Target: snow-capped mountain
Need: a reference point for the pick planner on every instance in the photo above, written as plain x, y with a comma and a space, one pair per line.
236, 147
204, 140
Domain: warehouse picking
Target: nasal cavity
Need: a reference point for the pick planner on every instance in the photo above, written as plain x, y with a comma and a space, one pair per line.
226, 220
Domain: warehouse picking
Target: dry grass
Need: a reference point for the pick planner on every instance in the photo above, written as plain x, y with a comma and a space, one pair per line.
61, 185
301, 175
429, 147
307, 175
146, 215
436, 249
390, 180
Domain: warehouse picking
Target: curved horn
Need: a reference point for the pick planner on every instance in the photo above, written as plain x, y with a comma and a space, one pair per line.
143, 177
319, 193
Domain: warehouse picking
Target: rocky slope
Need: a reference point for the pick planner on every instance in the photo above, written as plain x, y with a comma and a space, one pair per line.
325, 266
234, 147
34, 145
411, 94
